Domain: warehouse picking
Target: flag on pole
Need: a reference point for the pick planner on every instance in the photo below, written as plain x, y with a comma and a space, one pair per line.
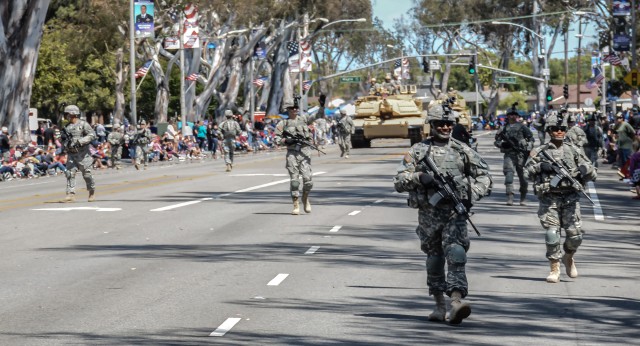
259, 82
306, 85
142, 71
397, 68
595, 81
305, 47
613, 59
192, 77
298, 50
405, 69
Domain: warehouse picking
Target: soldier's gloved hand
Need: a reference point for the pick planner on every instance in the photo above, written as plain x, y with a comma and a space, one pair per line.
583, 170
467, 204
505, 145
289, 140
546, 167
74, 143
427, 180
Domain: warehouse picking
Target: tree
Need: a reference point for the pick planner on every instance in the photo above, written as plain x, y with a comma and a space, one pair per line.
21, 23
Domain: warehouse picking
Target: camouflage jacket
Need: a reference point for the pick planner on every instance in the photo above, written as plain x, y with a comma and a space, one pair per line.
470, 172
230, 129
576, 136
296, 127
115, 138
345, 125
517, 135
79, 136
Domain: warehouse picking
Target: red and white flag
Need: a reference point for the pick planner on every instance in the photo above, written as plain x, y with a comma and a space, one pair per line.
142, 71
192, 77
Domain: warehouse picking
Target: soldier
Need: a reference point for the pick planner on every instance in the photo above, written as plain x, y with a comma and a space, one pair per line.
292, 132
442, 232
230, 129
116, 140
538, 124
321, 124
78, 136
559, 200
515, 140
594, 139
574, 133
344, 127
389, 86
142, 139
375, 87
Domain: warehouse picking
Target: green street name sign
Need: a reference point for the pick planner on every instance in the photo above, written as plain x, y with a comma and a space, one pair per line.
506, 80
349, 79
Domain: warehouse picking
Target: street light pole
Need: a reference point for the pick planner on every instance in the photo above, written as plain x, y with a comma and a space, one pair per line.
132, 63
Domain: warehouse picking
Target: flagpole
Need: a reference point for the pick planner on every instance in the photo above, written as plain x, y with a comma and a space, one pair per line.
252, 91
603, 99
142, 80
183, 115
132, 62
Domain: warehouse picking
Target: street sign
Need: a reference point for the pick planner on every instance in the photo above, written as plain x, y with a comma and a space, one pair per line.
588, 102
349, 79
434, 65
632, 78
506, 80
546, 72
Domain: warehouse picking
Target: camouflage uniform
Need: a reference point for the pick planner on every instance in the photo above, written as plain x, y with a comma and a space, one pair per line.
298, 156
594, 138
321, 130
230, 129
143, 138
576, 136
515, 141
345, 128
442, 232
559, 205
81, 134
116, 140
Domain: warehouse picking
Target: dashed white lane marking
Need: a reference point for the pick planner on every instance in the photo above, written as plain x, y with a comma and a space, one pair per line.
23, 185
277, 280
184, 204
312, 250
79, 208
597, 209
335, 229
378, 201
355, 212
225, 326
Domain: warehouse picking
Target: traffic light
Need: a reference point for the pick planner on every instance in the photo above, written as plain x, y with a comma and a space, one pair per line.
472, 65
565, 91
549, 95
425, 65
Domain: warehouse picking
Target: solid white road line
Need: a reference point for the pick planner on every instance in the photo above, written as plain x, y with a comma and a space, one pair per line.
597, 209
355, 212
259, 175
180, 205
335, 229
225, 326
79, 208
312, 250
277, 280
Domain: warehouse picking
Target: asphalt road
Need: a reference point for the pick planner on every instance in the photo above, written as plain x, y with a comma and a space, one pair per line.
186, 254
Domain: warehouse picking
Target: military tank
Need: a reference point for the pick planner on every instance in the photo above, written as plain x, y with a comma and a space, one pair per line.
459, 105
388, 116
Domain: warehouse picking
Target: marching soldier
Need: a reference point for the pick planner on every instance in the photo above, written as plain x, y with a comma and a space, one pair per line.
345, 128
230, 129
575, 134
443, 232
116, 141
559, 195
142, 139
515, 140
78, 135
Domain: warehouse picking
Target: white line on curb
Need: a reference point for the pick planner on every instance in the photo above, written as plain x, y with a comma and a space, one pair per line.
335, 229
225, 327
312, 250
597, 209
277, 280
355, 212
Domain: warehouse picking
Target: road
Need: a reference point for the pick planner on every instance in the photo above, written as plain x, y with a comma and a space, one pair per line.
186, 254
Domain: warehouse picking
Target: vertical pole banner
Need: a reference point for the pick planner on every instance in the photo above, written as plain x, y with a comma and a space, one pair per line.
143, 12
190, 34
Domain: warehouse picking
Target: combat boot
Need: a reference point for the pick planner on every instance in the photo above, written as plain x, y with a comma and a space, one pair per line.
92, 195
554, 275
228, 168
509, 199
570, 265
69, 198
346, 156
459, 309
136, 165
305, 202
523, 199
296, 206
440, 311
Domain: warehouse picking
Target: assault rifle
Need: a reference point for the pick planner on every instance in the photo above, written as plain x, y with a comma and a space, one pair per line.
299, 139
446, 190
563, 173
66, 139
511, 142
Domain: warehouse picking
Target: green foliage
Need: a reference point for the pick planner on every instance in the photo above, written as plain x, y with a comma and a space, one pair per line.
513, 98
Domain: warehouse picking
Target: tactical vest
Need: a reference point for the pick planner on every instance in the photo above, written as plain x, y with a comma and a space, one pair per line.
567, 155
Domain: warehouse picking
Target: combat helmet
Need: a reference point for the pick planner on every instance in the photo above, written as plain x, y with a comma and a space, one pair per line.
228, 113
72, 109
555, 119
441, 111
513, 110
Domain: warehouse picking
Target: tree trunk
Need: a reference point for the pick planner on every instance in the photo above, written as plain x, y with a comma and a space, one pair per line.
280, 74
120, 73
23, 21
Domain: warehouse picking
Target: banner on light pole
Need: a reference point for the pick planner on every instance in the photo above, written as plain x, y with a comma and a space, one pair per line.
143, 14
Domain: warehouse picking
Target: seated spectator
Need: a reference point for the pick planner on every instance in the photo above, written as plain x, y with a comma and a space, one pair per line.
6, 171
634, 169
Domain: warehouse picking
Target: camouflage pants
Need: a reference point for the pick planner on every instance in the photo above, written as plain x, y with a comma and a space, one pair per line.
142, 154
229, 145
82, 162
592, 154
443, 237
541, 136
299, 165
116, 155
321, 137
560, 211
344, 142
514, 162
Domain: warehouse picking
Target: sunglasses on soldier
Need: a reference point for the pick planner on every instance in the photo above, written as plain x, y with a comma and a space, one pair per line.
442, 123
557, 128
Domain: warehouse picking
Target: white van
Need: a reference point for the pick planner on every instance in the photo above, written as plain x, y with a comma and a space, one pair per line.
34, 121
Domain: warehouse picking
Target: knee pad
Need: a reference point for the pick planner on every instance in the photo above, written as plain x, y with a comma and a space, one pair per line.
435, 265
295, 184
307, 185
552, 237
573, 241
68, 173
457, 254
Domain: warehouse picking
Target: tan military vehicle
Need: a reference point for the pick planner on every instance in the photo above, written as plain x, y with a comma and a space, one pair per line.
388, 116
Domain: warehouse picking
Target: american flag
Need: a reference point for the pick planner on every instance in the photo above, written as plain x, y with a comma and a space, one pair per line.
613, 59
259, 82
192, 77
306, 85
595, 81
142, 71
405, 69
294, 55
397, 68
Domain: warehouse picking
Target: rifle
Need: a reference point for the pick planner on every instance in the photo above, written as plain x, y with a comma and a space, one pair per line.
299, 139
446, 190
66, 138
514, 145
561, 173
